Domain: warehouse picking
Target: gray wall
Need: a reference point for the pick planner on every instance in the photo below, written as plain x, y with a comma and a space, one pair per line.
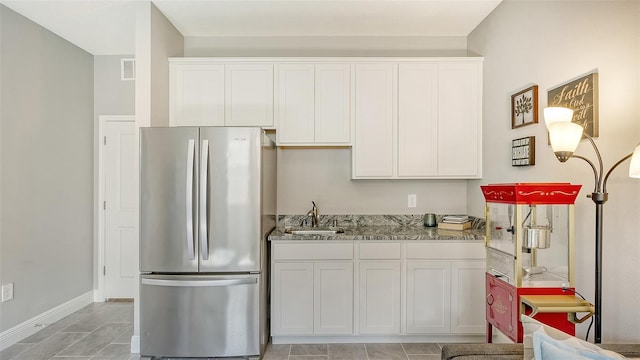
325, 46
112, 96
166, 42
46, 235
324, 176
548, 43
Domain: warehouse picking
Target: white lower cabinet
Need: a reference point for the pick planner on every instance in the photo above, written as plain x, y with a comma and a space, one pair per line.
445, 297
379, 292
333, 298
292, 298
321, 288
428, 297
312, 298
468, 297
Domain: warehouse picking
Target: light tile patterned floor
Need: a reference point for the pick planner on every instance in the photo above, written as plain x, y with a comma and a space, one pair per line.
353, 352
102, 331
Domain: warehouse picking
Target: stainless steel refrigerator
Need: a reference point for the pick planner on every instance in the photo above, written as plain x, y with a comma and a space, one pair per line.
207, 204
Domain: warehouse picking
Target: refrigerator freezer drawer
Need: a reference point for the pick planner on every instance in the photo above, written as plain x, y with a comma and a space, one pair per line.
199, 315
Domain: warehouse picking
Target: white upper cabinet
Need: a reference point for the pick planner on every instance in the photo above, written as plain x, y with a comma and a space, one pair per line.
427, 125
406, 118
313, 104
249, 95
295, 104
460, 119
333, 104
373, 145
212, 93
417, 120
196, 95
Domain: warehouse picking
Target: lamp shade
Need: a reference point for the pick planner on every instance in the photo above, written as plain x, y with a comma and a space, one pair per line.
565, 137
634, 168
557, 114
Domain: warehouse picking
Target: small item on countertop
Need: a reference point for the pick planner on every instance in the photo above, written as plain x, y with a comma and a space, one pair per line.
429, 220
455, 219
455, 226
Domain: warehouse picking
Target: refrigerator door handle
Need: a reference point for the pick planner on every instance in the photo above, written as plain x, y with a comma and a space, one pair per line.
204, 163
199, 283
189, 198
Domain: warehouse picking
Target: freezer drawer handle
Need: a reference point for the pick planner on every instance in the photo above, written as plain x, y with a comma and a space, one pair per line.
199, 283
189, 198
204, 163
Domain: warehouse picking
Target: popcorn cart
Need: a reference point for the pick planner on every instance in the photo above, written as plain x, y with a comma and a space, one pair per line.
530, 257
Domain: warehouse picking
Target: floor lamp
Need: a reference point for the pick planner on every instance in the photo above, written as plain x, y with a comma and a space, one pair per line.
565, 137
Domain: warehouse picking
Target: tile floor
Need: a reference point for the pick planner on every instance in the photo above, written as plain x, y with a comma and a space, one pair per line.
99, 331
102, 331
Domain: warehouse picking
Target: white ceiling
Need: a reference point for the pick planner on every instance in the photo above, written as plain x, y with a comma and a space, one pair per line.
108, 27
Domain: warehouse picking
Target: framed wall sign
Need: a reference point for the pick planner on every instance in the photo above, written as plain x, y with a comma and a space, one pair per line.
524, 107
523, 151
581, 95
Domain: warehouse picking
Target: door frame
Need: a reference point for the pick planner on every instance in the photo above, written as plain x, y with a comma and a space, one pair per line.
99, 295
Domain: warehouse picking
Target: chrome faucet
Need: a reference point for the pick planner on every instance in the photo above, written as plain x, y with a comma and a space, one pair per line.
313, 214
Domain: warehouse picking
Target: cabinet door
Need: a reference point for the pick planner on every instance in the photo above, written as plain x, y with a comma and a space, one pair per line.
459, 125
196, 95
292, 299
249, 95
468, 297
417, 120
379, 292
333, 298
374, 116
332, 104
295, 104
428, 297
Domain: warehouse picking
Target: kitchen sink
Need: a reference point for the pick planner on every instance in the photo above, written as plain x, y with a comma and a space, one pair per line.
314, 231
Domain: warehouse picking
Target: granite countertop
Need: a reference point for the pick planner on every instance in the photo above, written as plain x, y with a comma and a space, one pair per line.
377, 227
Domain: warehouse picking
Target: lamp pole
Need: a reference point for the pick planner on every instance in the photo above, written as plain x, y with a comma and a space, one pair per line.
599, 196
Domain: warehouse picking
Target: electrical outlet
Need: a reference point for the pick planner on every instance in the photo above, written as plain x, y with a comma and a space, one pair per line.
7, 292
412, 199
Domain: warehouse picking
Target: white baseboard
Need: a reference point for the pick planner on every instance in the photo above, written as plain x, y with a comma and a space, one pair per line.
135, 344
315, 339
28, 328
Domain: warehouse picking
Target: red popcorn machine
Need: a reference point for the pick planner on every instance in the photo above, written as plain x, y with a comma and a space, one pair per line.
530, 257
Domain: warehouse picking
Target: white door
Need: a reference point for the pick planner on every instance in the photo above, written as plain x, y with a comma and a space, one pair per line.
120, 198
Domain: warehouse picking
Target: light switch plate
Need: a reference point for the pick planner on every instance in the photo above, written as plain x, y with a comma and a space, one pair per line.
7, 292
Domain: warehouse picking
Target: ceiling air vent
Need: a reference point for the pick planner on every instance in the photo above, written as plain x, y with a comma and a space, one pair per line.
127, 69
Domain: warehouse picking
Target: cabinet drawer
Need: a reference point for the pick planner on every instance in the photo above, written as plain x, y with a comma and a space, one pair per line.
314, 251
432, 250
380, 250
